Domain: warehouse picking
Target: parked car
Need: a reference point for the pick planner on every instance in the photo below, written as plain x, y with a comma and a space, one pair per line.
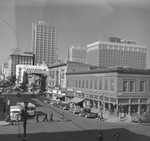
65, 105
18, 94
75, 109
86, 112
145, 117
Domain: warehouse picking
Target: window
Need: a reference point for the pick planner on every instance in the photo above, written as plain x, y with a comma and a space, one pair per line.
87, 83
142, 86
100, 84
91, 84
76, 83
82, 83
95, 83
106, 84
125, 86
132, 86
111, 85
79, 83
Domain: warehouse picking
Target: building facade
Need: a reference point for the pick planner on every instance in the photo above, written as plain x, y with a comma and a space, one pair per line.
114, 89
57, 76
77, 54
44, 43
116, 53
18, 57
5, 71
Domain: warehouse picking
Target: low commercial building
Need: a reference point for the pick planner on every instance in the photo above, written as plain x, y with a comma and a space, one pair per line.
112, 89
57, 78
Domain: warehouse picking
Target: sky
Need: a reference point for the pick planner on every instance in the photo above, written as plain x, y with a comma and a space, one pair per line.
78, 22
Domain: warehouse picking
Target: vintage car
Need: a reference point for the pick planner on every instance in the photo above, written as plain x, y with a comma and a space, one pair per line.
65, 105
86, 112
75, 109
145, 117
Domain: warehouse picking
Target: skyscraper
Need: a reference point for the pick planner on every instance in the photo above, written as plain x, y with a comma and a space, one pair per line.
77, 54
44, 43
121, 53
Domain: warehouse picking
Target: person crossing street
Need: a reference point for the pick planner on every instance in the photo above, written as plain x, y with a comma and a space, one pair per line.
51, 117
45, 117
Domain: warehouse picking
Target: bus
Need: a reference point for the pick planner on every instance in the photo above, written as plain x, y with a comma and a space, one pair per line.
31, 109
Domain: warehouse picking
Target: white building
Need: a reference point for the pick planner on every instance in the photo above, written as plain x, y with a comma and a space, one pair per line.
29, 68
116, 53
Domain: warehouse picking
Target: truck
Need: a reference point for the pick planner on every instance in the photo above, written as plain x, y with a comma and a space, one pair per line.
31, 108
15, 112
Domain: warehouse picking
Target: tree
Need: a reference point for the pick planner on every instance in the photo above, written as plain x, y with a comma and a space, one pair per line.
43, 83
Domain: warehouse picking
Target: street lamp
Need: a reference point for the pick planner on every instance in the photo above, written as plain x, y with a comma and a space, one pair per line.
25, 119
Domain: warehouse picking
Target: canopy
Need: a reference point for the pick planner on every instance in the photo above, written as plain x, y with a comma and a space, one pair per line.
70, 94
60, 95
76, 100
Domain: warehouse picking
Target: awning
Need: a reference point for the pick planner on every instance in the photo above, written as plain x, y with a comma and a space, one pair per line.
60, 95
76, 100
70, 94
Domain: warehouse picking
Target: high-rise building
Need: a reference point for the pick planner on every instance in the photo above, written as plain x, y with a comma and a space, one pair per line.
44, 43
77, 54
122, 54
18, 57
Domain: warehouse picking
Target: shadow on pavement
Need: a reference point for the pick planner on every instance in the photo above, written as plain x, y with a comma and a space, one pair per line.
86, 135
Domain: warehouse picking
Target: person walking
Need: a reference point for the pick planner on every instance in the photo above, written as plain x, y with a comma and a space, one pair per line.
51, 117
37, 117
62, 117
45, 117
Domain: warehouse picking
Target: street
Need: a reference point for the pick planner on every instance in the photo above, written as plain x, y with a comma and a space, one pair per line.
73, 128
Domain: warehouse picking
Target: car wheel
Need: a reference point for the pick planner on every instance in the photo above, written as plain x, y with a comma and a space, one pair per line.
139, 121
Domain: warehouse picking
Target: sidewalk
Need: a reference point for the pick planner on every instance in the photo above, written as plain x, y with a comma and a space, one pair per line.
4, 123
115, 119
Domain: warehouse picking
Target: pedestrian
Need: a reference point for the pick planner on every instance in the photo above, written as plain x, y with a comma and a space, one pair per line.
100, 136
62, 117
37, 117
51, 117
45, 117
17, 119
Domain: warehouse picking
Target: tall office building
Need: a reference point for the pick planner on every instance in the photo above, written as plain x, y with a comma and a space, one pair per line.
77, 54
122, 53
44, 43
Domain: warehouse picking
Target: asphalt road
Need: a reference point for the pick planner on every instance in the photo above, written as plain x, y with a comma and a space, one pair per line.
73, 128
